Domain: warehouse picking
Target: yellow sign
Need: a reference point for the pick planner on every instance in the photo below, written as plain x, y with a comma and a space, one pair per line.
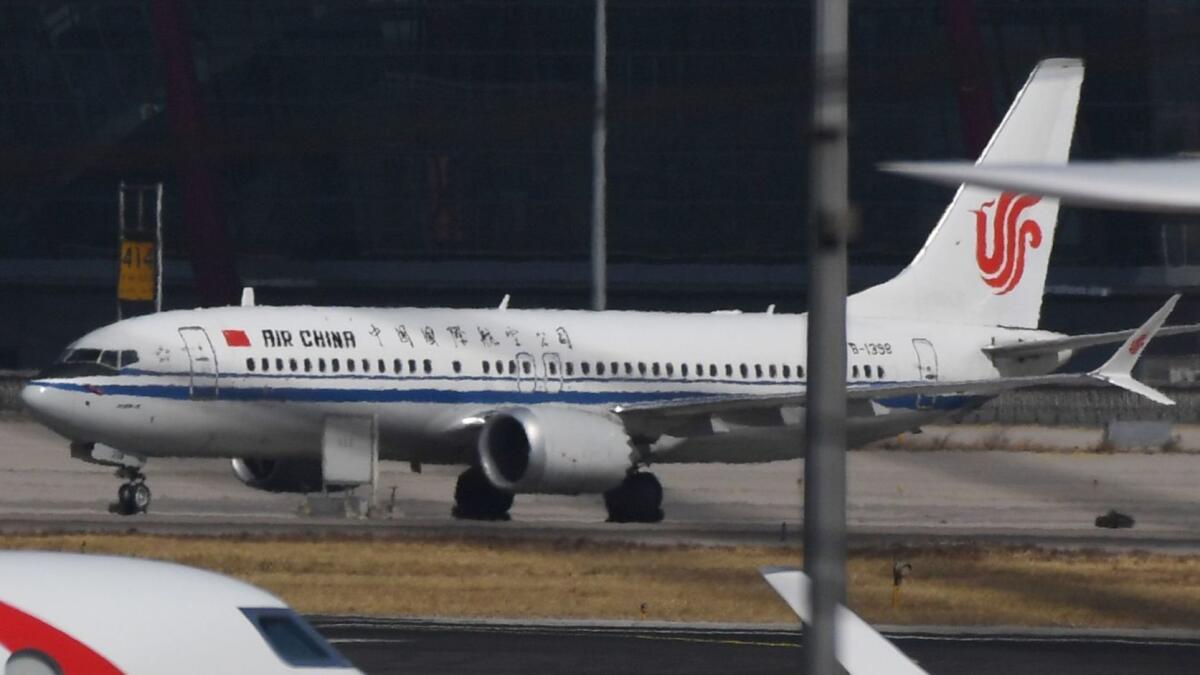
136, 281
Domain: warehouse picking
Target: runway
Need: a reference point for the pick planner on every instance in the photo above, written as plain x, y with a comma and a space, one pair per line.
894, 497
380, 647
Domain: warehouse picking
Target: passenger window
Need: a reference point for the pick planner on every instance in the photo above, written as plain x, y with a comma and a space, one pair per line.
712, 370
292, 363
654, 368
266, 364
744, 371
366, 366
382, 366
457, 366
250, 365
321, 365
108, 358
642, 368
412, 366
772, 371
854, 371
758, 370
499, 367
670, 369
307, 365
128, 357
396, 366
350, 365
279, 365
616, 371
683, 371
787, 371
428, 366
599, 367
487, 367
879, 372
585, 368
867, 370
800, 372
628, 368
728, 370
525, 367
552, 367
337, 364
570, 368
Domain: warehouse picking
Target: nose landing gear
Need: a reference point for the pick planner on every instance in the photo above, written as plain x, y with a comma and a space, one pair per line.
133, 496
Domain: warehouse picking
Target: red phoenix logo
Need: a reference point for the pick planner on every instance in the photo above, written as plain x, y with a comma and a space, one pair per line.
1138, 343
1002, 264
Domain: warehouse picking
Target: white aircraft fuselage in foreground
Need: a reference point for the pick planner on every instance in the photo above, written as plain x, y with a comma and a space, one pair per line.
578, 402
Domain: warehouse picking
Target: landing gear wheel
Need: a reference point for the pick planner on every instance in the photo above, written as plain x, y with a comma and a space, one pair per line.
140, 496
134, 495
475, 498
636, 500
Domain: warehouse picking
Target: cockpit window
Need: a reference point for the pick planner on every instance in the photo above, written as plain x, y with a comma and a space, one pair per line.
293, 640
128, 357
109, 358
82, 356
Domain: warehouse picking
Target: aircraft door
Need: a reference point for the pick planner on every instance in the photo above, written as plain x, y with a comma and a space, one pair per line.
552, 372
202, 363
927, 366
527, 379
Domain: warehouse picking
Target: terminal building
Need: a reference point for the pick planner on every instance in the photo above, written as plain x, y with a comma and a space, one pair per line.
420, 152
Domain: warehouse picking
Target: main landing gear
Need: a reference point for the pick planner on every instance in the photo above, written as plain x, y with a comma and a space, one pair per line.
475, 498
638, 499
134, 495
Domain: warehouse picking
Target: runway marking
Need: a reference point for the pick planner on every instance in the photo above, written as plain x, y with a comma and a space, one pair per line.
739, 643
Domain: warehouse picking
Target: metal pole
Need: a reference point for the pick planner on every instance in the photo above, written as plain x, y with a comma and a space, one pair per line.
158, 248
120, 239
599, 178
825, 459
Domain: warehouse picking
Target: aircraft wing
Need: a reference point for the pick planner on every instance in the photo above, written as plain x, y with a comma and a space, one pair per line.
860, 649
1158, 185
658, 417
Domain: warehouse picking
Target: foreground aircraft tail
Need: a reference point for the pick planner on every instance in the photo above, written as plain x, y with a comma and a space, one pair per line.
860, 649
985, 262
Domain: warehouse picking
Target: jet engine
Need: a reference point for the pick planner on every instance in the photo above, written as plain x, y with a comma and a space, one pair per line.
280, 475
554, 450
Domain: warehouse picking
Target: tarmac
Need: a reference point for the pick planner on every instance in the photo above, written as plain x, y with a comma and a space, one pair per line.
895, 496
387, 646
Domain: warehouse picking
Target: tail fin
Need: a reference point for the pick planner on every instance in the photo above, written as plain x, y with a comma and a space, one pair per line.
985, 262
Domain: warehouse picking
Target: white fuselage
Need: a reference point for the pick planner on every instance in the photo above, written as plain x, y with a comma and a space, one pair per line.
258, 382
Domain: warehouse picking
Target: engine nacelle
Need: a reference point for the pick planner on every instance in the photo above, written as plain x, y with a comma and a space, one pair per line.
554, 450
280, 475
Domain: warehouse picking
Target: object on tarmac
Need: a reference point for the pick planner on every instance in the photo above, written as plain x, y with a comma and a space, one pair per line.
900, 572
1138, 434
1114, 520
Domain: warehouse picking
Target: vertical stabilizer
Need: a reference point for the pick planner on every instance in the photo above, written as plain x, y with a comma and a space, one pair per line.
985, 262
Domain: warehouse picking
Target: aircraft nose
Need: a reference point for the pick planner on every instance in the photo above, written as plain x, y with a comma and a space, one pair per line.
34, 397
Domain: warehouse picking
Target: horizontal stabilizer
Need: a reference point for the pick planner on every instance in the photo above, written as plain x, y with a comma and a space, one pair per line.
1157, 185
860, 648
1073, 342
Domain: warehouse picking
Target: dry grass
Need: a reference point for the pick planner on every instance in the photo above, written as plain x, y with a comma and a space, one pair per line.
576, 578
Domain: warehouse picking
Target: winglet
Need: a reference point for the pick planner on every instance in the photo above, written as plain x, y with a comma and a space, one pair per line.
504, 302
1118, 370
860, 648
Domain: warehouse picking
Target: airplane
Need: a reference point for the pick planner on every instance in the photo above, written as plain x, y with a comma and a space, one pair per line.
106, 615
581, 402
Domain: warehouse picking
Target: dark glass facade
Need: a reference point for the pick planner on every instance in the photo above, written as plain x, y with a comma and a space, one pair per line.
400, 129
